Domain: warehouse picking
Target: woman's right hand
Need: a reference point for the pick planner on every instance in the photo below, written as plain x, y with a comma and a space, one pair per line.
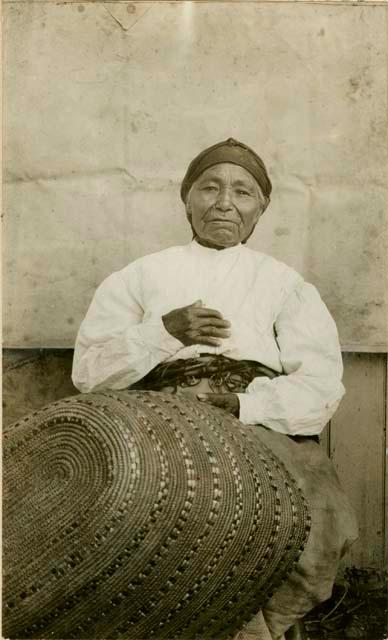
196, 324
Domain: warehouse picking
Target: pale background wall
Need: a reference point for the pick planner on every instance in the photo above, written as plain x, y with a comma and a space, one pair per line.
106, 103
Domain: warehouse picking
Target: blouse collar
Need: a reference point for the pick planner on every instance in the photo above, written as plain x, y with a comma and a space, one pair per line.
201, 250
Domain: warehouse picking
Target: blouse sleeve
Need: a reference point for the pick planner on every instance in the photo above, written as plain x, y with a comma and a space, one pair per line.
114, 347
304, 398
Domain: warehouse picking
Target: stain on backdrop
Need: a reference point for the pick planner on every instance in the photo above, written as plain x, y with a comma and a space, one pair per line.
106, 103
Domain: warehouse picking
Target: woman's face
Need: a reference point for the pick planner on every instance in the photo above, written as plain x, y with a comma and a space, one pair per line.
224, 205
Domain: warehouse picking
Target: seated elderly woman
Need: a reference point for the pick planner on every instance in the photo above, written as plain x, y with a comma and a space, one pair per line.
241, 331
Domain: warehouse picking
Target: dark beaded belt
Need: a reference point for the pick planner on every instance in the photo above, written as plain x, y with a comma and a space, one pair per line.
232, 375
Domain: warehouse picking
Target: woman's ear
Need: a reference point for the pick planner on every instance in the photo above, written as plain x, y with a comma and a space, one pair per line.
188, 210
189, 218
261, 209
265, 205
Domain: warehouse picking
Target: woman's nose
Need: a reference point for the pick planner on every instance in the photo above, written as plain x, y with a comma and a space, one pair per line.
224, 201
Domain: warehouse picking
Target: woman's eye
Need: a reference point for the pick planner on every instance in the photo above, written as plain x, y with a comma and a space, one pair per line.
209, 188
242, 192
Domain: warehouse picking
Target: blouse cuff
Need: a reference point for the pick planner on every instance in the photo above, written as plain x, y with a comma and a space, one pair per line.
251, 409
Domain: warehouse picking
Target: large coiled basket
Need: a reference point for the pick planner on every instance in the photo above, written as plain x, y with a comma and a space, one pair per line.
142, 515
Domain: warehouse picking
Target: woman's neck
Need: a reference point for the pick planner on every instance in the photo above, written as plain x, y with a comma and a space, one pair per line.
210, 245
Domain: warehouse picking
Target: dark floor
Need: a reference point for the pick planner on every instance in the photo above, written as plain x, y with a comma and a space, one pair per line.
357, 609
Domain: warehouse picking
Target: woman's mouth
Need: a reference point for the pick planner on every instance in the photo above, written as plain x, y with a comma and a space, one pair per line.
221, 221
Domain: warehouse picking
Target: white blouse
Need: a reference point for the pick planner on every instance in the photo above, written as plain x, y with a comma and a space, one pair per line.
276, 319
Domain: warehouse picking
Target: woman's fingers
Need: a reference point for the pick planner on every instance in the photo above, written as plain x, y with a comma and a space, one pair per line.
212, 321
209, 330
196, 324
227, 401
204, 312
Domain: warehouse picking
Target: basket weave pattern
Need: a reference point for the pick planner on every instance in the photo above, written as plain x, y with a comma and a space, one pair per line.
142, 515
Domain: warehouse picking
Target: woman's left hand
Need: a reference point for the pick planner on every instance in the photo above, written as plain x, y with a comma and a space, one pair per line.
227, 401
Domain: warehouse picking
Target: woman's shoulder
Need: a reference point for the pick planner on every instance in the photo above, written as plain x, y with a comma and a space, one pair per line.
274, 269
155, 259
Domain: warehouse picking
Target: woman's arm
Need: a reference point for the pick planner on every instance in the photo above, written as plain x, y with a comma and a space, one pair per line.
114, 347
304, 399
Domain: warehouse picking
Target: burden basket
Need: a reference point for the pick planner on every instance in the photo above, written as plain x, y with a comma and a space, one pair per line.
142, 515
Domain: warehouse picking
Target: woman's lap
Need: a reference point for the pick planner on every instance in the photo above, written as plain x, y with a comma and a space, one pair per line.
333, 529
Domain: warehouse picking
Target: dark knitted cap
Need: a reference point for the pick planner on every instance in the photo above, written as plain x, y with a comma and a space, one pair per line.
227, 151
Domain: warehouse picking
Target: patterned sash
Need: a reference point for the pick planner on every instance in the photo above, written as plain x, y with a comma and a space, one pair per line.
220, 371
